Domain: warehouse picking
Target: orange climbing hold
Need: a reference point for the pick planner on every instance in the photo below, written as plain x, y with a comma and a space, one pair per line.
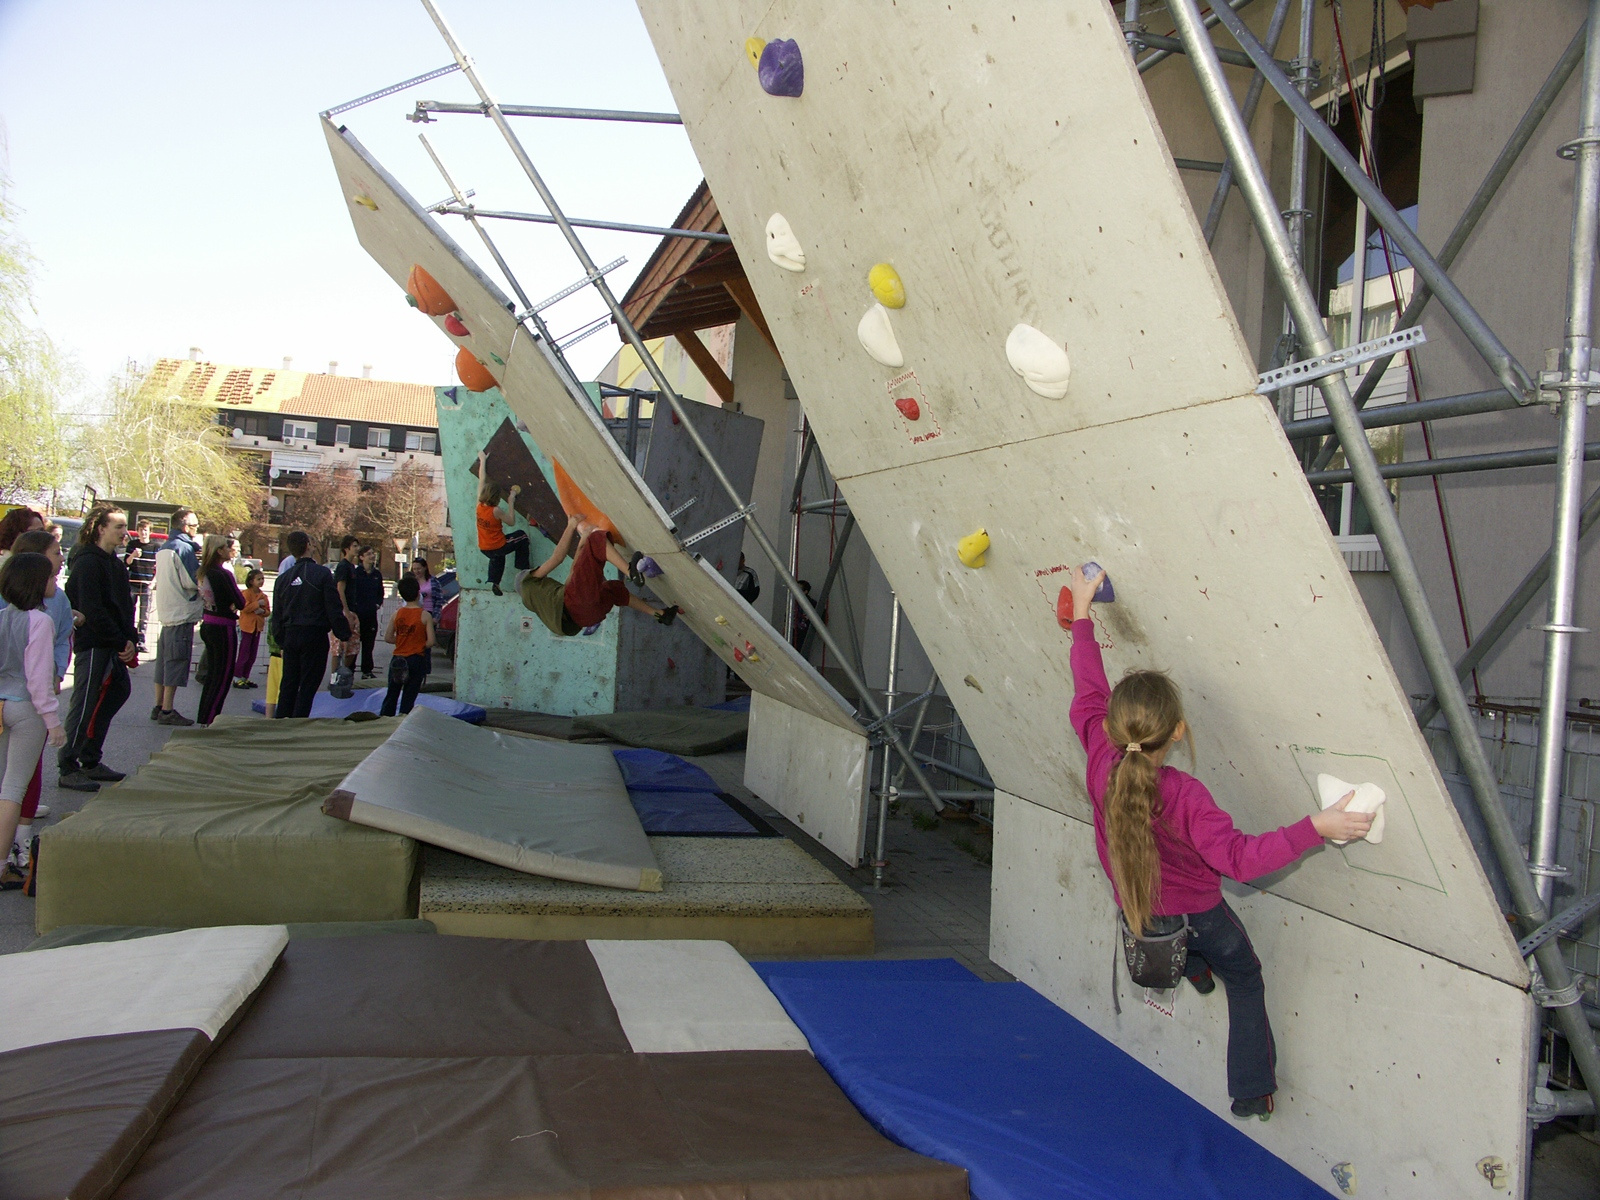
576, 504
430, 297
473, 373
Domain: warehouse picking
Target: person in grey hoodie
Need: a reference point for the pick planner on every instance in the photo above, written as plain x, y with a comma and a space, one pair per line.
179, 606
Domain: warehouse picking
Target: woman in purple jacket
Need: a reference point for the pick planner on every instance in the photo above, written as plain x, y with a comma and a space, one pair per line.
1165, 844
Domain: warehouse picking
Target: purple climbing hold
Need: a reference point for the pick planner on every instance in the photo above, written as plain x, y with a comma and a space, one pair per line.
589, 629
1105, 593
781, 72
649, 568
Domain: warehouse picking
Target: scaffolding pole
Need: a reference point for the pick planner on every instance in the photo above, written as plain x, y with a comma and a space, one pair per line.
1252, 98
1562, 995
1559, 628
1532, 584
1541, 104
1500, 360
1305, 75
1498, 460
674, 401
887, 792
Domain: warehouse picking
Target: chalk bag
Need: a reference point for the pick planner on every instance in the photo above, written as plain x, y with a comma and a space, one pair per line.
1157, 959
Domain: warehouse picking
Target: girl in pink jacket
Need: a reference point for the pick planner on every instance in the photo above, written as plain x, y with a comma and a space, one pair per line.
29, 713
1165, 844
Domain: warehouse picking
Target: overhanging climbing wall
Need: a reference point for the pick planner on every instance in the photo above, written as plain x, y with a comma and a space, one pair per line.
1002, 163
563, 421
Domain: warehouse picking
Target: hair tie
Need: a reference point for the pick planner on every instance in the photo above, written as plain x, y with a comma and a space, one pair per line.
1135, 748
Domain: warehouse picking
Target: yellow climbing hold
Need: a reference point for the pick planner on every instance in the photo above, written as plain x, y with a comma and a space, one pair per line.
752, 50
885, 283
722, 620
971, 549
365, 202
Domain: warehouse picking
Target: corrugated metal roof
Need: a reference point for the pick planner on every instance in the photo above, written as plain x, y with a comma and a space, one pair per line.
297, 393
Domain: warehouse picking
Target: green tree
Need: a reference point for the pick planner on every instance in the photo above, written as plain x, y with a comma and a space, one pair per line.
151, 444
35, 443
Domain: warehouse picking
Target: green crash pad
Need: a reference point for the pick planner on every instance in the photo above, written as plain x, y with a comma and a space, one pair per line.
672, 730
224, 826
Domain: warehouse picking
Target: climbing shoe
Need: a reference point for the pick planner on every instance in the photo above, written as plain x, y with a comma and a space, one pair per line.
668, 615
1204, 983
1255, 1106
634, 573
495, 587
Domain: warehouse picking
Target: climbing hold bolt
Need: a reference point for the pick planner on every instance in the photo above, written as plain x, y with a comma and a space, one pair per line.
972, 548
885, 283
780, 69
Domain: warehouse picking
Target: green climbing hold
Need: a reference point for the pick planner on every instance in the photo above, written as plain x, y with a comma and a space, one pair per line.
498, 360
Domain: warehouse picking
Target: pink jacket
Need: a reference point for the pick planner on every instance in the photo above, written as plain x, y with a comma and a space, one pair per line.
39, 666
1195, 839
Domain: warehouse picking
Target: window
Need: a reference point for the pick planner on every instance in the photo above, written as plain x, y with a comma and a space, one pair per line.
341, 435
413, 440
299, 430
377, 438
430, 443
252, 426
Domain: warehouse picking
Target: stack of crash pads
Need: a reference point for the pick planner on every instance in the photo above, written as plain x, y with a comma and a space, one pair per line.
99, 1043
223, 826
543, 808
455, 1068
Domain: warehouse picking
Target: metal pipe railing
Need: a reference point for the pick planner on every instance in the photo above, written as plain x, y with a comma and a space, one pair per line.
1466, 405
425, 109
1498, 460
668, 393
1467, 222
1501, 361
1369, 482
459, 209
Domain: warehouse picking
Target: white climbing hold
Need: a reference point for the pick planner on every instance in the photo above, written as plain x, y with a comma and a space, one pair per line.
877, 337
783, 247
1043, 364
1369, 798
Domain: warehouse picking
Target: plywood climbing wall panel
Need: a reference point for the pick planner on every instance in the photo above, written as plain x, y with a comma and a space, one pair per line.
563, 421
1003, 160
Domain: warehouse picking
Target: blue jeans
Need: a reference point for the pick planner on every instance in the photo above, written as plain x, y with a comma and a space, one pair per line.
1218, 940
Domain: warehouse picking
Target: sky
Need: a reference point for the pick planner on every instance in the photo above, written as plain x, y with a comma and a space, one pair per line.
167, 168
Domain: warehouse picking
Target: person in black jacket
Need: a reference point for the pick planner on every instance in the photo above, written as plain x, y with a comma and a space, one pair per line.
365, 595
103, 647
305, 610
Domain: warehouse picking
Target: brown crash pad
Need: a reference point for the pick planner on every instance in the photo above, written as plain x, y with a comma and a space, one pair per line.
476, 1069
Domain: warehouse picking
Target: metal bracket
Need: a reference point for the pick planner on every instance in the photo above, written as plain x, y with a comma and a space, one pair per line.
1569, 150
1553, 383
388, 91
1559, 998
1574, 915
732, 518
1338, 360
876, 731
1563, 629
583, 331
1548, 870
571, 288
684, 507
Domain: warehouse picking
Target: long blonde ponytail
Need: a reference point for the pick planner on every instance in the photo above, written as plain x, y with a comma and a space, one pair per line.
1143, 715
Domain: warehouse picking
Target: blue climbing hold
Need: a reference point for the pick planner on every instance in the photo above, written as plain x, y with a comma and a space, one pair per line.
1105, 593
781, 71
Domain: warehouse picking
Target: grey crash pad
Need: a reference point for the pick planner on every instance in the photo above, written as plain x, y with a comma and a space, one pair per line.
540, 807
685, 730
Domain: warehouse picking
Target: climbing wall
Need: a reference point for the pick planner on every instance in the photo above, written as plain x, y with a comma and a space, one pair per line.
563, 421
974, 251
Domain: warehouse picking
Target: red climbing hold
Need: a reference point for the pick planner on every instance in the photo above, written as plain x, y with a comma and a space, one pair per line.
909, 409
738, 656
454, 327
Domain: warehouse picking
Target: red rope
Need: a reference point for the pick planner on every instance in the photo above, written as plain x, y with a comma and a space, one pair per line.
1413, 387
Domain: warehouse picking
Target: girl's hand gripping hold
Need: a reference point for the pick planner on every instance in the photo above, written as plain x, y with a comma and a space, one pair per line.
1338, 825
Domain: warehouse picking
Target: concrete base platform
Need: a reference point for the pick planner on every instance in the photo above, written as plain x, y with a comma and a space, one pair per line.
764, 895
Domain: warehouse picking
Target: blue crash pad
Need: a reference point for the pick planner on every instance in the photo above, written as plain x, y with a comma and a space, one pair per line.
878, 970
673, 796
1033, 1103
371, 700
